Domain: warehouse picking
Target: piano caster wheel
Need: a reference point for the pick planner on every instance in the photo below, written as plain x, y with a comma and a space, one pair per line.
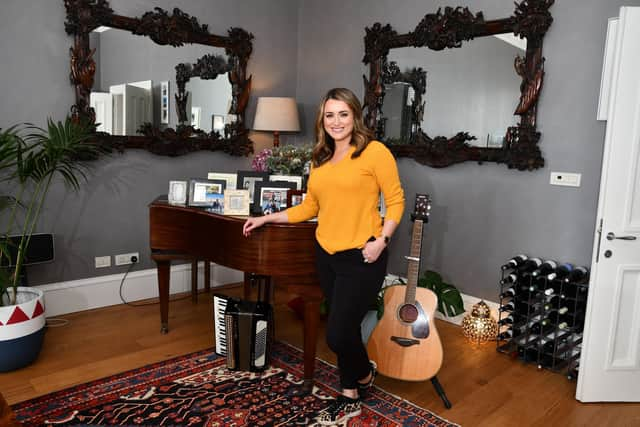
164, 329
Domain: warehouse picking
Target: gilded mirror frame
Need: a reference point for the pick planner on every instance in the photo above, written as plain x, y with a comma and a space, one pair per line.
175, 29
449, 29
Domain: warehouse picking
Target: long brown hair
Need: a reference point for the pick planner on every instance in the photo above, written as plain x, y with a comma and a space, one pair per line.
325, 145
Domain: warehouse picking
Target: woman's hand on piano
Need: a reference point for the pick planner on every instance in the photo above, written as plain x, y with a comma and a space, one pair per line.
259, 221
253, 222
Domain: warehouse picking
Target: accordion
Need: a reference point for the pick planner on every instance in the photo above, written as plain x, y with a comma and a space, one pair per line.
243, 332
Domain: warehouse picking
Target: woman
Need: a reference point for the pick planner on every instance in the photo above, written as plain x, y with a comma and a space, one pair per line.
349, 171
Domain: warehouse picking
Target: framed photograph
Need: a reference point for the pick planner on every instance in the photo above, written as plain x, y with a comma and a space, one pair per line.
206, 192
236, 202
164, 102
178, 192
295, 197
217, 123
230, 178
217, 203
271, 196
288, 178
247, 181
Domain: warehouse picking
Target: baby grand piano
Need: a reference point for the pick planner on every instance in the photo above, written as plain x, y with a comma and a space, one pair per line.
282, 251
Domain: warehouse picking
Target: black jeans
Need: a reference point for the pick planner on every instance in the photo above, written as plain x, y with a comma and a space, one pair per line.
350, 286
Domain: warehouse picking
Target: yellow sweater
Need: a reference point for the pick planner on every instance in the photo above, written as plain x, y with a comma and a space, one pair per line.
344, 196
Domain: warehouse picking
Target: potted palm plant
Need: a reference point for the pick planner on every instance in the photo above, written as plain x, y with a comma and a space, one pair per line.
28, 166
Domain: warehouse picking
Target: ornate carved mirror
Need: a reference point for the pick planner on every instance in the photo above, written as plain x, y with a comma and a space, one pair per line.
124, 82
444, 106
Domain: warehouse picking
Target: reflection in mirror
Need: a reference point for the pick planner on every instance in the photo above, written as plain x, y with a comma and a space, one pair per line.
129, 71
474, 88
209, 102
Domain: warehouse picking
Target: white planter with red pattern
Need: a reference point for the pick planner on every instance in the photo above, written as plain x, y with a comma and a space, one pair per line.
21, 329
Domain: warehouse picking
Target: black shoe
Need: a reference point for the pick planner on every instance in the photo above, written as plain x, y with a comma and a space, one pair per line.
339, 410
364, 388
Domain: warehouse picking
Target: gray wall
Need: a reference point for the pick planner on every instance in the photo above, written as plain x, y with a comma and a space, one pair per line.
484, 214
110, 216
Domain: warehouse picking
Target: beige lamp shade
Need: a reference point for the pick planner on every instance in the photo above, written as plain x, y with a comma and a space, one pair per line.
277, 115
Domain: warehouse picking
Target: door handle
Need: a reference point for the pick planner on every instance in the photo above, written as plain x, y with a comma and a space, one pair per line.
612, 236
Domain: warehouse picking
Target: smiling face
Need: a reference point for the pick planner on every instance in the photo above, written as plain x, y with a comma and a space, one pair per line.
338, 120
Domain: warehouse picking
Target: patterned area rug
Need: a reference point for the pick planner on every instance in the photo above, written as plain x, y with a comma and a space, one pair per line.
198, 390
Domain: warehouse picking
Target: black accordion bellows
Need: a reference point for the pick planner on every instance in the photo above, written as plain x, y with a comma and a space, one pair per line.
244, 332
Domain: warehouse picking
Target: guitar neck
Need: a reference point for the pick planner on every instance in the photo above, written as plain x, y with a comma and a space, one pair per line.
414, 262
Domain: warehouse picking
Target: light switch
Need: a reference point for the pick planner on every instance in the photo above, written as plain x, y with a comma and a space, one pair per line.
566, 179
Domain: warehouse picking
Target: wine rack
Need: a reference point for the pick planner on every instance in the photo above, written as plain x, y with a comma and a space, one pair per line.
541, 314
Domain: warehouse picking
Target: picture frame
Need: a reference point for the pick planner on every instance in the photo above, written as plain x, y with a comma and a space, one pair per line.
217, 123
288, 178
178, 191
237, 202
206, 192
246, 180
295, 197
271, 196
230, 178
164, 102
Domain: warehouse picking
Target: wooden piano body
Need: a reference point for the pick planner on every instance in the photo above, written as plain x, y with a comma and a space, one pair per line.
283, 251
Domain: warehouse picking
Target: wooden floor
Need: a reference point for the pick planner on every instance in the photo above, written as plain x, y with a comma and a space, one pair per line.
486, 388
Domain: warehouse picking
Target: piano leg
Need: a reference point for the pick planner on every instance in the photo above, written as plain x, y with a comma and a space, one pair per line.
248, 277
194, 281
164, 267
207, 277
311, 321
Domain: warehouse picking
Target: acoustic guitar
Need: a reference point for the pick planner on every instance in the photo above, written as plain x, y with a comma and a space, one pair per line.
405, 343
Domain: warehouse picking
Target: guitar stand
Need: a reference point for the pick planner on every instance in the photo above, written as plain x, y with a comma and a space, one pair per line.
440, 391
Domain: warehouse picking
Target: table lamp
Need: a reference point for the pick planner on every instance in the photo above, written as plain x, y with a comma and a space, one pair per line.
276, 114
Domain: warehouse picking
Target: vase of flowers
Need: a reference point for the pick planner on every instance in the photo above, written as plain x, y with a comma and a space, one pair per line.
284, 160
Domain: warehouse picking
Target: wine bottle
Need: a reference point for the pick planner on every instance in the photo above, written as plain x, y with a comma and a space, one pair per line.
560, 315
508, 334
541, 327
552, 300
514, 262
545, 268
563, 325
549, 345
561, 272
508, 293
578, 275
507, 307
529, 265
511, 278
551, 290
509, 320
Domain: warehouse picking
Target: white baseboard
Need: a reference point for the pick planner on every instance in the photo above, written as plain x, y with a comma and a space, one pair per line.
103, 291
468, 300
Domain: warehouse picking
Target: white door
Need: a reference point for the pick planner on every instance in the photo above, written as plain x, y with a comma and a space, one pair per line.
610, 360
102, 104
137, 108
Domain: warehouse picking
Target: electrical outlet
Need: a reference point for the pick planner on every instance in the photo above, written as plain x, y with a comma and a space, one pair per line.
565, 179
124, 259
103, 261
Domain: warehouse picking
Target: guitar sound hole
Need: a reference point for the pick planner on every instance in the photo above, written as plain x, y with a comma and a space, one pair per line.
408, 313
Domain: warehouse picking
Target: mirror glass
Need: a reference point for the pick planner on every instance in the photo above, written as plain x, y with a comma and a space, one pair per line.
209, 101
474, 89
130, 82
